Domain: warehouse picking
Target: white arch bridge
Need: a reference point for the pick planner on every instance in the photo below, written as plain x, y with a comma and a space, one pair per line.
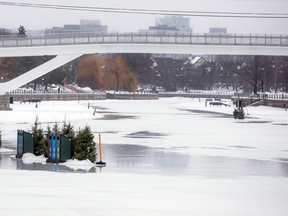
67, 47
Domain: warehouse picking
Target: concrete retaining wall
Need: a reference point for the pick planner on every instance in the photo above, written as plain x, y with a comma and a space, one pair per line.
133, 96
56, 97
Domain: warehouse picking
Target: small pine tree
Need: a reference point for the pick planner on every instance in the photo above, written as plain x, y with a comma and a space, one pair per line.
67, 130
21, 30
85, 147
41, 143
239, 114
56, 128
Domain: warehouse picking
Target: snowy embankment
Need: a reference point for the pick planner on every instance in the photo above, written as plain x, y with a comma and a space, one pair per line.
46, 193
183, 125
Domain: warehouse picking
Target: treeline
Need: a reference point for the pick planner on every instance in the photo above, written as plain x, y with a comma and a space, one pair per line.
106, 72
83, 145
126, 71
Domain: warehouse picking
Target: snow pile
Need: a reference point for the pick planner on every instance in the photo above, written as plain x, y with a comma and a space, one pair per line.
5, 150
79, 164
29, 158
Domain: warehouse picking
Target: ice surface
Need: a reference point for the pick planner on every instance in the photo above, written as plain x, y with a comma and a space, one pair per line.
182, 125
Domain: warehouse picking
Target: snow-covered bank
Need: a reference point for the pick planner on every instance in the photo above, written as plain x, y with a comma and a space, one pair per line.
185, 125
46, 193
173, 125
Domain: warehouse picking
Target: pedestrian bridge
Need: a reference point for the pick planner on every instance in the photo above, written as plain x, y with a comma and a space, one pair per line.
197, 44
67, 47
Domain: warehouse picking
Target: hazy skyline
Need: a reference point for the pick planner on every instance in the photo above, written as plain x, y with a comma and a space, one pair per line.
39, 18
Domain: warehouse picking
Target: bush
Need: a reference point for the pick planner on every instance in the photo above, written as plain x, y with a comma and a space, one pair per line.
239, 114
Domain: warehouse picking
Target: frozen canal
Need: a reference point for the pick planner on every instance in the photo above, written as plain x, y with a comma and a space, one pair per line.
166, 157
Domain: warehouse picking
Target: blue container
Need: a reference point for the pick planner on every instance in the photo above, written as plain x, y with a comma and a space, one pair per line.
53, 147
19, 143
25, 143
59, 148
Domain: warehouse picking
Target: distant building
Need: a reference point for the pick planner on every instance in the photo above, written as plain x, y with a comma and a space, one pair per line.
93, 26
179, 22
85, 26
4, 31
170, 25
217, 30
194, 62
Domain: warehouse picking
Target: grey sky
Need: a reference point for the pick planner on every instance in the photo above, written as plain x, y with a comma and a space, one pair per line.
37, 18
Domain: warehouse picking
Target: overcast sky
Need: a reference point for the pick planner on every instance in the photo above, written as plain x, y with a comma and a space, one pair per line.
38, 18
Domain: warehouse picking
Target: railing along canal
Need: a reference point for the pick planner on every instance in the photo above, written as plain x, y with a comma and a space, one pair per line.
141, 38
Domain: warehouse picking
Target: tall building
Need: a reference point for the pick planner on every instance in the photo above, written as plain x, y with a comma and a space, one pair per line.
170, 25
179, 22
85, 26
4, 31
218, 30
93, 26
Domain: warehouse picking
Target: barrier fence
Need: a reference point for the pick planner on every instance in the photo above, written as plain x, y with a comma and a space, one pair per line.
142, 38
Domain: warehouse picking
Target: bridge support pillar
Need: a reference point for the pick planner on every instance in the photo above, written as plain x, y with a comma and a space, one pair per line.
5, 102
30, 76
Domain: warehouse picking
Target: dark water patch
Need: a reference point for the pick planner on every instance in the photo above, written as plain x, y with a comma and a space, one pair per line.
254, 122
141, 159
181, 147
110, 112
145, 134
145, 160
210, 114
215, 148
51, 122
283, 160
116, 117
22, 123
106, 132
97, 107
280, 124
243, 147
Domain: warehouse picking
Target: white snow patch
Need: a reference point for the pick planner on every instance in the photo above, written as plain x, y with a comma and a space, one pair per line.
30, 158
79, 164
5, 150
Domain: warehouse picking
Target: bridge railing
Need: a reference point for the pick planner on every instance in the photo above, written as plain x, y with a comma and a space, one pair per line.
142, 38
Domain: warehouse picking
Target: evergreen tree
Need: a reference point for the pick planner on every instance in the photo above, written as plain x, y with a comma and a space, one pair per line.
21, 30
85, 147
41, 144
68, 130
56, 128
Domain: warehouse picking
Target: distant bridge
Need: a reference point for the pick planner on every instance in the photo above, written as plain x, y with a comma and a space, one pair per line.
67, 47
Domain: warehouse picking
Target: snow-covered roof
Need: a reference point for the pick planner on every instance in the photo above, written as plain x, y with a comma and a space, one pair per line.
192, 60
